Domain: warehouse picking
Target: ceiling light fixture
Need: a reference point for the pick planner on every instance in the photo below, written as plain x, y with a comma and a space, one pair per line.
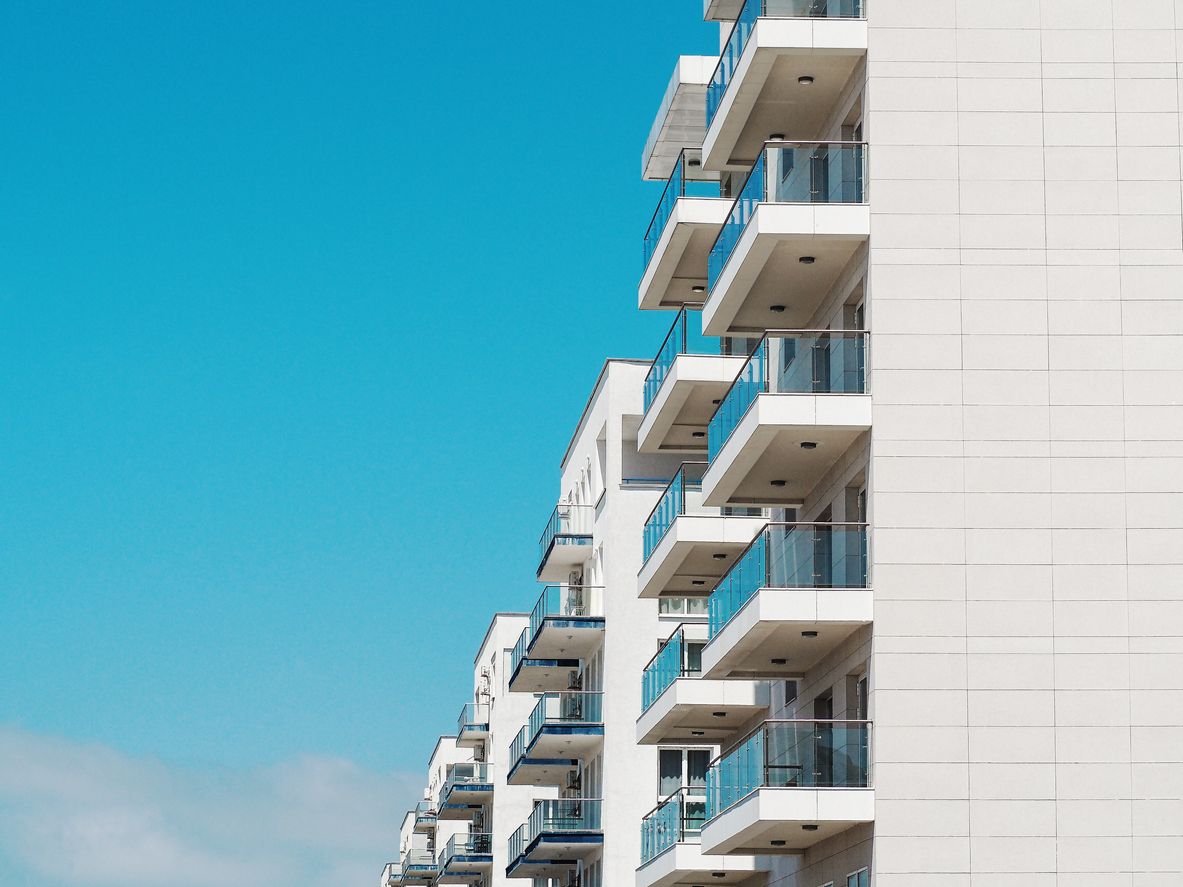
807, 260
809, 444
809, 634
805, 80
779, 483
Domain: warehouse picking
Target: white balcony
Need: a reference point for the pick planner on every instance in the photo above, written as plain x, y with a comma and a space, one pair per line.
566, 542
795, 409
680, 706
688, 546
787, 786
786, 62
670, 850
790, 599
681, 117
721, 10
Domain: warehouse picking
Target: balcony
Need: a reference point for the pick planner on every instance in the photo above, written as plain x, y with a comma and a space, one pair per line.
684, 382
688, 545
392, 875
566, 542
467, 789
425, 817
679, 706
467, 858
797, 406
681, 117
419, 867
785, 60
688, 218
798, 592
557, 835
566, 625
472, 727
721, 10
800, 218
787, 786
564, 728
670, 850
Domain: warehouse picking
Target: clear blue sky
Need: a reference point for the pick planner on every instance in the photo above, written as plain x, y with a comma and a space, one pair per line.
300, 303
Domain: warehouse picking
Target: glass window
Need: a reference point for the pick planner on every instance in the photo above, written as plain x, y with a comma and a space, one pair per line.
698, 761
861, 878
669, 776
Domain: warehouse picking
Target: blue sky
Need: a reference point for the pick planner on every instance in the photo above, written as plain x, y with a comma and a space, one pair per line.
298, 306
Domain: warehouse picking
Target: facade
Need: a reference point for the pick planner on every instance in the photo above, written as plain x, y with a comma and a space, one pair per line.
875, 573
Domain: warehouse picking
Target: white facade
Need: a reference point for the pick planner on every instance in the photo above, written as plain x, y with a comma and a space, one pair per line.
915, 443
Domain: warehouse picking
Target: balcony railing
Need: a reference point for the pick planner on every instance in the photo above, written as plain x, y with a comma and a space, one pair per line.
567, 525
672, 504
684, 337
470, 844
425, 812
556, 817
467, 773
825, 555
746, 21
418, 862
677, 658
791, 172
791, 754
392, 874
566, 602
687, 180
792, 362
564, 708
473, 716
677, 819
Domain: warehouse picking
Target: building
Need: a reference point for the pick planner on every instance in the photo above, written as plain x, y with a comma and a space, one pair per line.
875, 573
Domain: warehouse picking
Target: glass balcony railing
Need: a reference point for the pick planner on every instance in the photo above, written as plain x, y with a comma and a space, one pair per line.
672, 504
687, 180
684, 337
677, 658
752, 11
566, 602
425, 813
675, 820
418, 863
518, 655
473, 716
792, 362
567, 525
791, 754
466, 773
392, 874
567, 708
470, 844
791, 172
826, 555
555, 817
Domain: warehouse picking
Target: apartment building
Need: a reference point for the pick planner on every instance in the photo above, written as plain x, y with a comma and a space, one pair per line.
875, 573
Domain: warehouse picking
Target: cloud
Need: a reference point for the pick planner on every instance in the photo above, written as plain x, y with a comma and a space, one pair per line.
87, 815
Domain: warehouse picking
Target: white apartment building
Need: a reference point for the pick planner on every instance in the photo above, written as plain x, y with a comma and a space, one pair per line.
874, 575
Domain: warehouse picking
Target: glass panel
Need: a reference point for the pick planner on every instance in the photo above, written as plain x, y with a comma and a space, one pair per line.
684, 337
567, 525
564, 815
662, 670
671, 505
566, 602
750, 196
822, 172
686, 180
791, 754
698, 761
561, 708
792, 556
669, 778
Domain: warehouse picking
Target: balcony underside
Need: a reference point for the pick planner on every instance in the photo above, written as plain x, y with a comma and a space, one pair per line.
422, 876
542, 771
679, 261
565, 638
765, 268
466, 869
721, 10
766, 447
567, 551
685, 865
686, 554
551, 855
472, 735
681, 117
563, 741
541, 675
685, 403
779, 814
425, 826
764, 95
455, 811
770, 626
690, 708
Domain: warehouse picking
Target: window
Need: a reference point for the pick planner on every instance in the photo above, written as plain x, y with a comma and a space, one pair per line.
677, 606
681, 767
861, 878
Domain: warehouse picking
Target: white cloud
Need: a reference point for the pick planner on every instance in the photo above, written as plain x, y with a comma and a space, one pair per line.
76, 814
